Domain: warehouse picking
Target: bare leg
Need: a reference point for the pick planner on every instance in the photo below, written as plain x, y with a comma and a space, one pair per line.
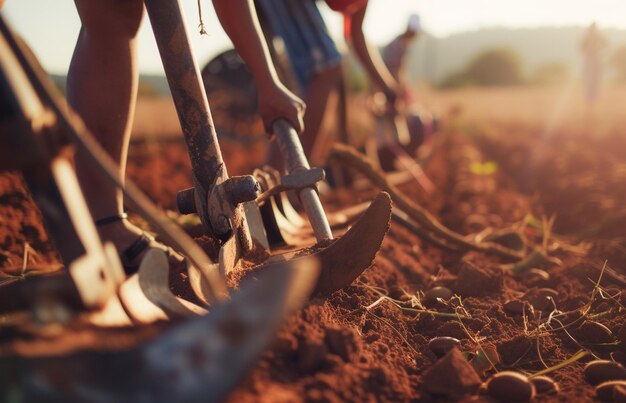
102, 88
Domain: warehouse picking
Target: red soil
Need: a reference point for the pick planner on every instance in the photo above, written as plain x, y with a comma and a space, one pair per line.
336, 349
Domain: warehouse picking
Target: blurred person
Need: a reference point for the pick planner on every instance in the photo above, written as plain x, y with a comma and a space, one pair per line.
102, 87
592, 45
314, 57
394, 54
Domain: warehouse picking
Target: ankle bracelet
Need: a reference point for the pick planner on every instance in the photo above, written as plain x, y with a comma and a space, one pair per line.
111, 219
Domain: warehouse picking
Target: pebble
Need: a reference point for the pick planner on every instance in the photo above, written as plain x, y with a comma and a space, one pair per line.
516, 307
441, 345
596, 333
599, 371
607, 391
431, 296
509, 386
544, 384
541, 298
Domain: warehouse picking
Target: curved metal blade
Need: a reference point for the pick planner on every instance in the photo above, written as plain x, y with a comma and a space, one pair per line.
146, 295
198, 360
346, 258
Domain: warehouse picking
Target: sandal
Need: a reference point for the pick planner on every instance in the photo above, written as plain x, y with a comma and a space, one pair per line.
129, 255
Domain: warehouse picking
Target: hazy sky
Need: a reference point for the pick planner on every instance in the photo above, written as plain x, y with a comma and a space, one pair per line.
51, 26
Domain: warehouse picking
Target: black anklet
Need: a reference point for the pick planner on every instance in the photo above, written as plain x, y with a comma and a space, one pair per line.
108, 220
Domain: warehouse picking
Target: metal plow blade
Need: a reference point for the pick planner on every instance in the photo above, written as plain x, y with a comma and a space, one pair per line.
345, 258
198, 360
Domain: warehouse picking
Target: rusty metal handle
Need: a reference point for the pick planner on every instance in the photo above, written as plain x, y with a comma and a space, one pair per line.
293, 154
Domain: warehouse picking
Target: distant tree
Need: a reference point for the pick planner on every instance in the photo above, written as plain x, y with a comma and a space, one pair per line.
498, 66
551, 73
618, 63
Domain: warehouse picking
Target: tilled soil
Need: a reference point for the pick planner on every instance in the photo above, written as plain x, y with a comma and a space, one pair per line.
356, 346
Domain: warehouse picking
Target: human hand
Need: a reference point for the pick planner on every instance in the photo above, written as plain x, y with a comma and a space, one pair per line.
277, 102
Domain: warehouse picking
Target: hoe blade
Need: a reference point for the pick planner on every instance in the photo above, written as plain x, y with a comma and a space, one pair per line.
347, 257
344, 259
198, 360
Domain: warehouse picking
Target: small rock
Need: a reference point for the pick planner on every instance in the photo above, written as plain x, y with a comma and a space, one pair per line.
441, 345
341, 341
606, 391
473, 281
591, 332
431, 296
452, 376
541, 298
311, 355
599, 371
509, 386
544, 384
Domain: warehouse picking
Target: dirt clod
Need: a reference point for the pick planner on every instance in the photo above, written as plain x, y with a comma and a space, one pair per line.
341, 341
474, 281
441, 345
514, 349
452, 376
311, 355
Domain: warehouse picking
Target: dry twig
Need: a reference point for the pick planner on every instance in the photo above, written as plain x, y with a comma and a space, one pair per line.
433, 228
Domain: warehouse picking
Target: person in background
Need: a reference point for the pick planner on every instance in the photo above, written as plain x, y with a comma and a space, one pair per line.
314, 57
102, 87
394, 54
592, 45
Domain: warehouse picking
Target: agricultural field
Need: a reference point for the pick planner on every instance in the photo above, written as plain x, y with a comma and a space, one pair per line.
529, 168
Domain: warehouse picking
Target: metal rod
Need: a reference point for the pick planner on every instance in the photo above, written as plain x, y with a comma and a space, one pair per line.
291, 149
189, 95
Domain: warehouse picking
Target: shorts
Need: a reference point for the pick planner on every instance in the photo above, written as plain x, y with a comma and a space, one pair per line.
307, 41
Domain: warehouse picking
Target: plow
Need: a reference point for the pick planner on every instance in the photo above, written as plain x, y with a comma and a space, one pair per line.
211, 341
